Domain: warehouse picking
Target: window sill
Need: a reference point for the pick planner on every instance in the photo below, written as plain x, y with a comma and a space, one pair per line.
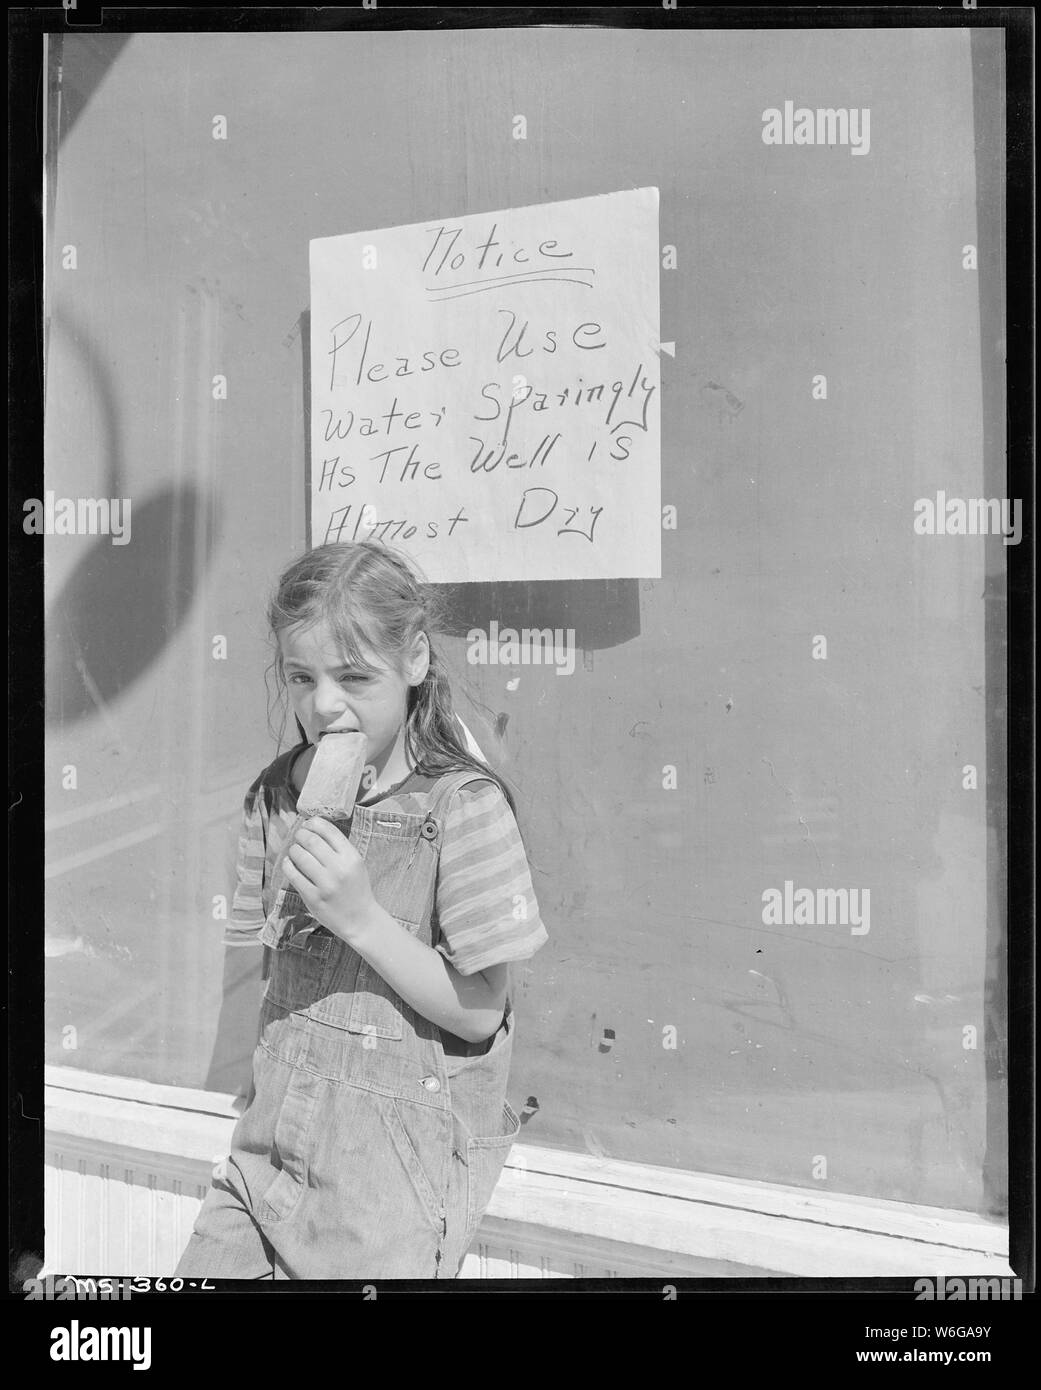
554, 1213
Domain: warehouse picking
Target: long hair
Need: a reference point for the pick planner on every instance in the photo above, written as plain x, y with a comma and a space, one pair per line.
373, 600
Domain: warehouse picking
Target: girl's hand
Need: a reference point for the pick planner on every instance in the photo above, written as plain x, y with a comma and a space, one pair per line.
331, 878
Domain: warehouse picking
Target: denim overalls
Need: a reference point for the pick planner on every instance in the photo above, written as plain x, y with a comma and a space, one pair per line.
365, 1151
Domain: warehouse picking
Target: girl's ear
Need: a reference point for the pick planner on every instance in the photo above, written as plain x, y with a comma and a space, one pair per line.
419, 662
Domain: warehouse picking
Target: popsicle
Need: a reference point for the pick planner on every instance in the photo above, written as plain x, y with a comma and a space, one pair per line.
331, 786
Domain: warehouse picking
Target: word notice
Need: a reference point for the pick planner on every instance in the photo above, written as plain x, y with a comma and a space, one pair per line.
485, 391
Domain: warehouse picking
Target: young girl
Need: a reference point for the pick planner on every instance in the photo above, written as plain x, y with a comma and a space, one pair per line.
377, 1123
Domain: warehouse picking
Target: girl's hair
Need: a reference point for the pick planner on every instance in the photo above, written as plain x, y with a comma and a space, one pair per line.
373, 601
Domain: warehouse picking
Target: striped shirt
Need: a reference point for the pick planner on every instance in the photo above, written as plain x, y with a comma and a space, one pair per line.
485, 904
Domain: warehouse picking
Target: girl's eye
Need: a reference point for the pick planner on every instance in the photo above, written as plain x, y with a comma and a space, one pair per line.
359, 678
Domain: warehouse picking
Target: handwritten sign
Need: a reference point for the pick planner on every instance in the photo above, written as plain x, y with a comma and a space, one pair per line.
485, 391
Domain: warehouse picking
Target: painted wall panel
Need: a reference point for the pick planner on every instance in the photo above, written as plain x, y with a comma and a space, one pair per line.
793, 521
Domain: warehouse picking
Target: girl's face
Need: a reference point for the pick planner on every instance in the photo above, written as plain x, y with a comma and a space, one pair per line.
326, 692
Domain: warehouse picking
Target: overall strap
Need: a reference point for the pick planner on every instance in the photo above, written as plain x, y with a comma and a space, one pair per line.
446, 787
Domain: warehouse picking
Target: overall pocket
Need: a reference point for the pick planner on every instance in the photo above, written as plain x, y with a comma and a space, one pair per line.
400, 865
377, 1010
350, 994
298, 969
485, 1159
421, 1136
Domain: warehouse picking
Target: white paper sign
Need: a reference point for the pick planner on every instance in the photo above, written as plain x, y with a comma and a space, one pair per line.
485, 391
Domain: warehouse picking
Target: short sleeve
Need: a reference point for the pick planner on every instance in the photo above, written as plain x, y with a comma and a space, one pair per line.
486, 904
247, 907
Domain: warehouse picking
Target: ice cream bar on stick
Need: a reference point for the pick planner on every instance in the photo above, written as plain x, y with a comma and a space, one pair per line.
335, 773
